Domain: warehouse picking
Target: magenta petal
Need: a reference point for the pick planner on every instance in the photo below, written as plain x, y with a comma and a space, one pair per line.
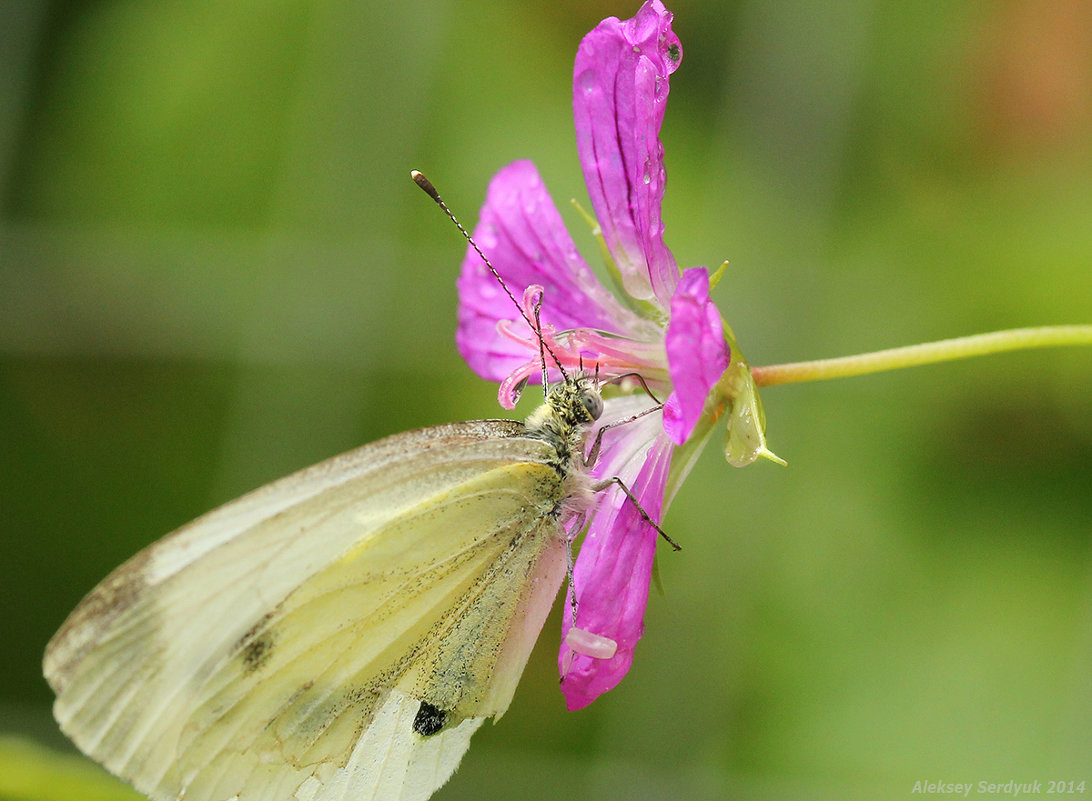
522, 233
612, 573
697, 354
620, 86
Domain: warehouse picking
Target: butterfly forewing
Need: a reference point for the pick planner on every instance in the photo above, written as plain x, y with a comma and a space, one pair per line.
283, 645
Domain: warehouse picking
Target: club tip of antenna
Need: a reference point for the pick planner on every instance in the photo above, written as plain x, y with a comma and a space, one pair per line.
423, 182
426, 184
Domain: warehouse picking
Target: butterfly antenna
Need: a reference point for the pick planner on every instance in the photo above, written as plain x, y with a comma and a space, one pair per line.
542, 345
536, 325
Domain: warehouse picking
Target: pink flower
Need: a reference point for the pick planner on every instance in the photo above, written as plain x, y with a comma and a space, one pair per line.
666, 329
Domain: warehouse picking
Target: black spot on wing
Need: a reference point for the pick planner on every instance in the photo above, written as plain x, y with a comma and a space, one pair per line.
430, 720
256, 646
257, 652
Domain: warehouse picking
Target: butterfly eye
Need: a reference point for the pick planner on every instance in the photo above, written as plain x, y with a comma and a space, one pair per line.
593, 403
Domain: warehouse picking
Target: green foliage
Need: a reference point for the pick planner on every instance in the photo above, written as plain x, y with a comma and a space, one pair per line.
29, 772
214, 269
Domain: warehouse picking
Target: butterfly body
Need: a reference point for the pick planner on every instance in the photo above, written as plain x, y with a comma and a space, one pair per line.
339, 633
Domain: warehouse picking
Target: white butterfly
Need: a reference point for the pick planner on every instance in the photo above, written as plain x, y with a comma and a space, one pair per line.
337, 634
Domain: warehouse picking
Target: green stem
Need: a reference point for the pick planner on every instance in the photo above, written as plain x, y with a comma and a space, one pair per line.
928, 353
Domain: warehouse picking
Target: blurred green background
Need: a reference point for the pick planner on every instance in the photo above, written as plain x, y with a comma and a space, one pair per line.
214, 270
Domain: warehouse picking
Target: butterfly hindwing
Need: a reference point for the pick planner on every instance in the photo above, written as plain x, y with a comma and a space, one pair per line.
337, 634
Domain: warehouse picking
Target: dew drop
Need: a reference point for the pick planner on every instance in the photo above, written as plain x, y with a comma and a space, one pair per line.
517, 390
586, 81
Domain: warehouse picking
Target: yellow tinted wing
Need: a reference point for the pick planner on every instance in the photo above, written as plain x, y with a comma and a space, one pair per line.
282, 645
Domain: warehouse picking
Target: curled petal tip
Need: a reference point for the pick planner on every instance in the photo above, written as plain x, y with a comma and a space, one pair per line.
581, 641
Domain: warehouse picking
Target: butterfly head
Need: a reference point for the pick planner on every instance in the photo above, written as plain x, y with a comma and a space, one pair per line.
576, 399
570, 407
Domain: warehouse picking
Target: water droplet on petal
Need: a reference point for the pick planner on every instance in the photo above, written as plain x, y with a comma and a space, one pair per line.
517, 390
586, 81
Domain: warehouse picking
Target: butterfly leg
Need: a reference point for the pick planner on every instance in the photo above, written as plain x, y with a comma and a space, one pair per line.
640, 509
593, 454
640, 379
576, 527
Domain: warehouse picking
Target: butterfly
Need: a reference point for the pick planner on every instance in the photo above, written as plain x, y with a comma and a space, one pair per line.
342, 632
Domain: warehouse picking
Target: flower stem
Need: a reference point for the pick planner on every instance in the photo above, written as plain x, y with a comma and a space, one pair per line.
945, 350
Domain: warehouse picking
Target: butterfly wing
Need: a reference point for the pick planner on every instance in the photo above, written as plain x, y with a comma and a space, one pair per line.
339, 633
